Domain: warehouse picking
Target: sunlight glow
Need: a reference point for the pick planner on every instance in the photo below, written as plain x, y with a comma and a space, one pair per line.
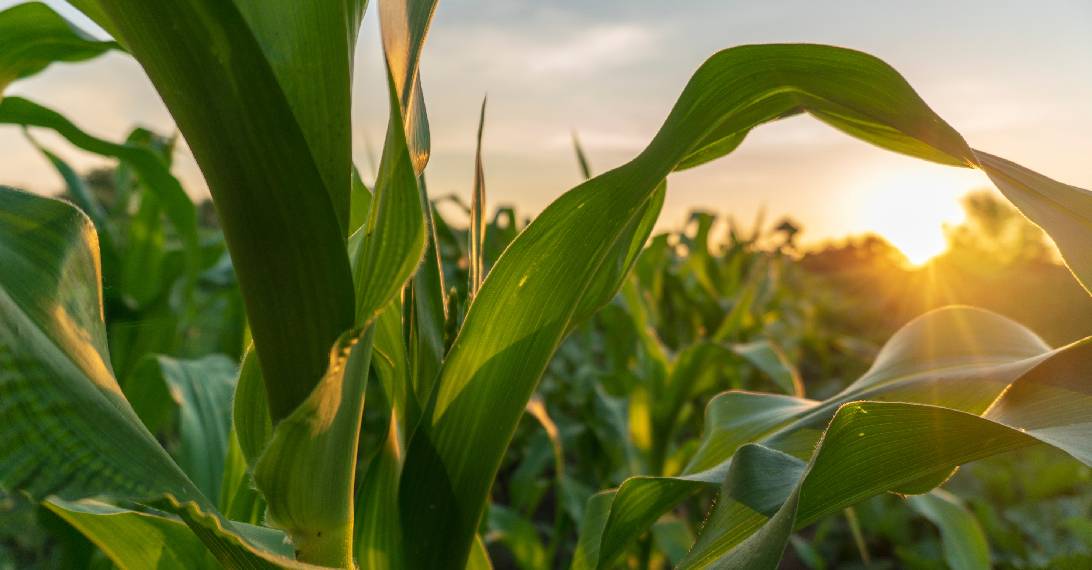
909, 207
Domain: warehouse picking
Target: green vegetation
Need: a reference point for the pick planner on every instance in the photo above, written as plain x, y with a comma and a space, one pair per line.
332, 375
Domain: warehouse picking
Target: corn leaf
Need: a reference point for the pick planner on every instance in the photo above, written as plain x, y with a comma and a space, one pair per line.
199, 393
519, 536
320, 438
59, 390
250, 410
570, 260
152, 540
155, 539
404, 26
273, 145
32, 36
393, 240
870, 447
962, 538
765, 356
148, 166
80, 195
477, 216
959, 357
239, 499
379, 532
318, 442
66, 430
581, 158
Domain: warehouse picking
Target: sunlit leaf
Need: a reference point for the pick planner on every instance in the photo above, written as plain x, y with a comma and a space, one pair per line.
149, 167
66, 429
569, 261
273, 145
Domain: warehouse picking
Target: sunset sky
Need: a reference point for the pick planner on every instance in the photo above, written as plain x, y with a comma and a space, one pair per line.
1014, 77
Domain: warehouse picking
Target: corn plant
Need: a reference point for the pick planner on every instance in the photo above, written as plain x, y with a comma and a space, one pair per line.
617, 401
260, 91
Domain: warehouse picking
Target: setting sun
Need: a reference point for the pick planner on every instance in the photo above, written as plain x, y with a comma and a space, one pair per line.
909, 207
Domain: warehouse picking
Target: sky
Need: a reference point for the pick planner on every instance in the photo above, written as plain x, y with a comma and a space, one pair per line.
1014, 77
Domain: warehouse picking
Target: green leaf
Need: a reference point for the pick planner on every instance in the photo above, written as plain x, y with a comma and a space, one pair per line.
477, 216
596, 512
318, 442
426, 316
404, 26
379, 532
199, 392
1064, 211
250, 410
871, 447
273, 144
581, 158
239, 499
33, 36
360, 203
766, 357
77, 191
963, 540
479, 556
959, 357
152, 171
735, 418
391, 363
65, 428
506, 361
570, 260
152, 540
319, 439
392, 242
519, 536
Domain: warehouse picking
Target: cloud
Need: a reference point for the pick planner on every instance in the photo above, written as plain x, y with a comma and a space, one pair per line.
594, 49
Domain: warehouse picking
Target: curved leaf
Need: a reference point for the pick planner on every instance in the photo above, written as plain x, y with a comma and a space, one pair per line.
958, 357
149, 167
318, 442
963, 540
274, 147
404, 26
477, 216
871, 447
389, 246
765, 356
570, 260
153, 541
199, 392
33, 36
320, 438
250, 410
66, 430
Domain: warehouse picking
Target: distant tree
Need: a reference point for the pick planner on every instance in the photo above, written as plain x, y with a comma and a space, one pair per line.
994, 235
863, 251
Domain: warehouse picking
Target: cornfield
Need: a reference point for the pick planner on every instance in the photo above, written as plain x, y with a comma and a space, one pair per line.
328, 372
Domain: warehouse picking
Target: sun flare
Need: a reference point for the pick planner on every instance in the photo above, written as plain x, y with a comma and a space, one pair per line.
909, 207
